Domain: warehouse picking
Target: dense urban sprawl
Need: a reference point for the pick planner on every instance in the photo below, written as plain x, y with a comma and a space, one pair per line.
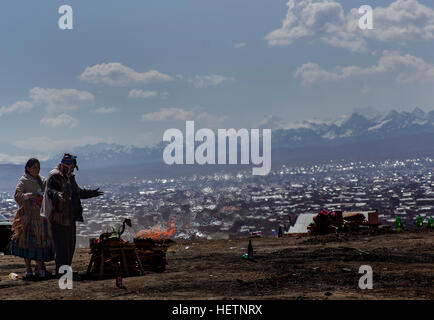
237, 204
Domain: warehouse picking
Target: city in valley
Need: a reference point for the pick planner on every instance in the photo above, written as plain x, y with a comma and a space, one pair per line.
229, 205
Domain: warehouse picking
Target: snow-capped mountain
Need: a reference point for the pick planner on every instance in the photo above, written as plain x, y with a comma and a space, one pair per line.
110, 155
390, 134
353, 128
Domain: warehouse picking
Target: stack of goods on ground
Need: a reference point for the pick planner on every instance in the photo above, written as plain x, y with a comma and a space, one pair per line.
326, 222
113, 256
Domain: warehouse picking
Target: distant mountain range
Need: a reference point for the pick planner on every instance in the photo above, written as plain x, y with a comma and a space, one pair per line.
363, 135
355, 127
359, 136
103, 155
363, 128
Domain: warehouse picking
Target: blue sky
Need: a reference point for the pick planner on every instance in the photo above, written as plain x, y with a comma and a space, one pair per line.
131, 69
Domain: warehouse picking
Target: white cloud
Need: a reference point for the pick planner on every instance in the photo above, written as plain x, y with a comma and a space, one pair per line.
195, 113
239, 45
53, 100
19, 106
116, 74
62, 120
105, 110
168, 114
326, 20
6, 158
209, 80
45, 144
60, 100
408, 68
403, 20
137, 93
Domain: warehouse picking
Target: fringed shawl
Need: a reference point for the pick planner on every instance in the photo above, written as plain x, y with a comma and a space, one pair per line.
28, 217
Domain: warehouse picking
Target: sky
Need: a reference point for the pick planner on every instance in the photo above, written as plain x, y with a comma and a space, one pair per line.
129, 70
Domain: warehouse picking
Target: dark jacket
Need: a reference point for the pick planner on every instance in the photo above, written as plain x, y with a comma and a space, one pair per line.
70, 209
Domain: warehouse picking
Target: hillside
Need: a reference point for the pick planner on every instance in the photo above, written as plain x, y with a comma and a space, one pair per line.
324, 267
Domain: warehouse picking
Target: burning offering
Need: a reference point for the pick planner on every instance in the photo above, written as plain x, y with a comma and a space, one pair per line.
113, 256
158, 233
152, 245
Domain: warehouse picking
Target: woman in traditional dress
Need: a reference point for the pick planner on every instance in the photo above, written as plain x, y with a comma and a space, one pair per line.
32, 238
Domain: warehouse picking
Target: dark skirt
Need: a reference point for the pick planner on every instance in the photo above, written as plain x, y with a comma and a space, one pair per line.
32, 252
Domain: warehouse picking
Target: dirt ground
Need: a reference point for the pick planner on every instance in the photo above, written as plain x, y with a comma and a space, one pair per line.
320, 267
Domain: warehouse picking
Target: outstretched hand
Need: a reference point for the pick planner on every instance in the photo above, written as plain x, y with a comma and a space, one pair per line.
97, 193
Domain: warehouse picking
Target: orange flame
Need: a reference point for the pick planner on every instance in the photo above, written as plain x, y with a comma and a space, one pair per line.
158, 233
